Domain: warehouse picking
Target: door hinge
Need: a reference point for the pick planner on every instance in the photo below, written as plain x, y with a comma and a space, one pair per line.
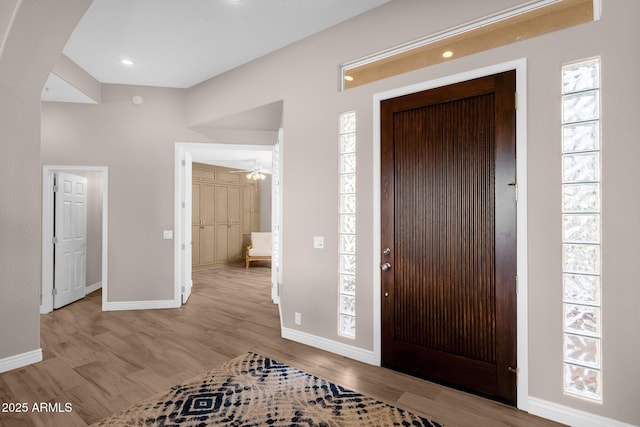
183, 289
184, 163
184, 205
55, 188
54, 240
183, 247
54, 292
515, 104
516, 285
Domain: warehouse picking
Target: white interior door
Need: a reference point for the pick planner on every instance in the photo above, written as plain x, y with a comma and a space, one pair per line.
186, 228
70, 239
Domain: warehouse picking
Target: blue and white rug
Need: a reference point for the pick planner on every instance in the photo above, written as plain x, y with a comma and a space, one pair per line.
253, 390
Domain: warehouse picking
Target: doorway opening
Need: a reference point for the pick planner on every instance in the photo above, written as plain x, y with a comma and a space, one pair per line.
97, 234
185, 155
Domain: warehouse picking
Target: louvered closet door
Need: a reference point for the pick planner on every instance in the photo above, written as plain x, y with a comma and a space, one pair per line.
448, 218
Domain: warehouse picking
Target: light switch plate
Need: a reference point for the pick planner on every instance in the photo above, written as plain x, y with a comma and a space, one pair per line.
318, 242
167, 234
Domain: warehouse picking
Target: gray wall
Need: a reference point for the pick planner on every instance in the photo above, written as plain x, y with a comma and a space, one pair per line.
304, 76
136, 143
40, 29
94, 225
265, 204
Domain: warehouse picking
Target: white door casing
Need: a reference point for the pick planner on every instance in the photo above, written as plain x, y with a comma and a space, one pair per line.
70, 239
276, 213
186, 229
182, 224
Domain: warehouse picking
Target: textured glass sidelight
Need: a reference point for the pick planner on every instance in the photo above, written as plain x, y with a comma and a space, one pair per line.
581, 195
580, 107
579, 137
581, 228
582, 381
347, 225
348, 304
582, 319
348, 163
582, 350
581, 76
581, 167
581, 259
347, 244
348, 183
581, 289
348, 285
348, 203
347, 325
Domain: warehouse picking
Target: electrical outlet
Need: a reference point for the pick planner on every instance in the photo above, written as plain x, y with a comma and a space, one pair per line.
298, 318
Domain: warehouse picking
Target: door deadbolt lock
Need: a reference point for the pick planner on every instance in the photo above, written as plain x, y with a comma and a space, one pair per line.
385, 266
386, 252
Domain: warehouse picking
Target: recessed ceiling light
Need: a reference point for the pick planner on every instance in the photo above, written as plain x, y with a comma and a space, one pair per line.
447, 54
126, 61
348, 78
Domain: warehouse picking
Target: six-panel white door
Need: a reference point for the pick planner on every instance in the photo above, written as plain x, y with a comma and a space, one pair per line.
70, 241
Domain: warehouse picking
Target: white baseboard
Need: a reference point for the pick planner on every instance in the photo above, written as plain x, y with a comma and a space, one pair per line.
570, 416
20, 360
542, 408
94, 287
342, 349
140, 305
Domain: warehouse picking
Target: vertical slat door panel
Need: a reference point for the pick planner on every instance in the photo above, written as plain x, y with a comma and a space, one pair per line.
445, 246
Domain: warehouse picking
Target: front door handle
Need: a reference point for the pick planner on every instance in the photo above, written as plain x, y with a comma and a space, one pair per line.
385, 266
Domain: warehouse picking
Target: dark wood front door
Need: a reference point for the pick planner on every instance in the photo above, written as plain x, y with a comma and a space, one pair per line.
448, 219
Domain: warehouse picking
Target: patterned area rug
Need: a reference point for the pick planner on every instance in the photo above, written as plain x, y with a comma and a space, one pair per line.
252, 390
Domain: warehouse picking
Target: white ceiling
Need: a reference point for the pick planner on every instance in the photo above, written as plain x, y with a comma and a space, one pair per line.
179, 43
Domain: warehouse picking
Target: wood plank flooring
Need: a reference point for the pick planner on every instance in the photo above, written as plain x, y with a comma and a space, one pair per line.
103, 362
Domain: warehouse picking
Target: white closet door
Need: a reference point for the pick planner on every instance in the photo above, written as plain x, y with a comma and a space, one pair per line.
70, 244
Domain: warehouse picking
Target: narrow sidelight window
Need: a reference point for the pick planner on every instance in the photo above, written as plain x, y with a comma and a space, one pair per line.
581, 252
347, 225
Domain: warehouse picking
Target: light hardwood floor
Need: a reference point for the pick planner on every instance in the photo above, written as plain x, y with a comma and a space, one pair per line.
102, 362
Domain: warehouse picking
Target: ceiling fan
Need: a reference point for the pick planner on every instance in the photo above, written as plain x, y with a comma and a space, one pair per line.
257, 172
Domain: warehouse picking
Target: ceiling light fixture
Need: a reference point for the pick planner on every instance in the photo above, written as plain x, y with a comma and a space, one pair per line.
126, 61
256, 175
447, 54
348, 78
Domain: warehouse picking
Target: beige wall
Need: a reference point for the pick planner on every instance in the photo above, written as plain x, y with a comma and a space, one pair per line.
39, 29
305, 77
265, 204
136, 143
94, 226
